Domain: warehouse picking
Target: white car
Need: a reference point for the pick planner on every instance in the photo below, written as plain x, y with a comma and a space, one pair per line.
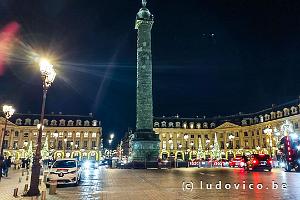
64, 171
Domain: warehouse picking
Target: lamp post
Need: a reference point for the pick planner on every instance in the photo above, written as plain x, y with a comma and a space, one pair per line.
109, 152
207, 143
72, 143
8, 112
186, 137
48, 75
55, 134
65, 146
192, 145
269, 131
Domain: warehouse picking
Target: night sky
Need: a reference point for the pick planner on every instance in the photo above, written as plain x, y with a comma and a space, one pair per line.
209, 57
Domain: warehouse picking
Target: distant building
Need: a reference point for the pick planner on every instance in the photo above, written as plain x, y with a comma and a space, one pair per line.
69, 136
188, 138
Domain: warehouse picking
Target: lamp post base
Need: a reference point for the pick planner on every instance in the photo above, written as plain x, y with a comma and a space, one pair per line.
34, 180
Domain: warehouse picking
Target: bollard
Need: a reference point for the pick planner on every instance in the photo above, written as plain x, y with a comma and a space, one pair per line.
20, 179
25, 188
22, 172
16, 192
40, 181
43, 197
27, 171
27, 177
52, 189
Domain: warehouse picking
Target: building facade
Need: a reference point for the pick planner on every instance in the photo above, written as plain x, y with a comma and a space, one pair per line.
194, 138
67, 136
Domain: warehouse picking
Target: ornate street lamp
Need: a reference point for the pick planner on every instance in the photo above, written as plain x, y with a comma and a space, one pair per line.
8, 112
48, 75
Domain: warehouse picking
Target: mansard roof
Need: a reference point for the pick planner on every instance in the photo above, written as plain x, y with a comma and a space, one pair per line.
57, 117
275, 112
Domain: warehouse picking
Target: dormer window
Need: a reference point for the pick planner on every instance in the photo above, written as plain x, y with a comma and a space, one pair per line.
94, 122
62, 122
294, 110
86, 123
267, 117
184, 125
286, 112
191, 125
198, 125
261, 118
212, 125
156, 124
46, 121
171, 124
36, 122
53, 123
273, 115
205, 125
279, 114
78, 123
70, 123
244, 122
164, 124
27, 122
256, 120
19, 122
177, 124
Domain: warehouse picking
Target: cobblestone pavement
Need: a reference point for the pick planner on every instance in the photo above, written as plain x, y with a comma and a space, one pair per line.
184, 183
15, 179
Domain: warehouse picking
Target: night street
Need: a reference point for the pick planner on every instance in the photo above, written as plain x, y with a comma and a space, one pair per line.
167, 184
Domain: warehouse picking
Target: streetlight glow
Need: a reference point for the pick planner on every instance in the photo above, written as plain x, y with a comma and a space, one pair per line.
112, 136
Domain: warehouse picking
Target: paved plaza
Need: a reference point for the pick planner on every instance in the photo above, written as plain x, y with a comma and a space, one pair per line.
183, 183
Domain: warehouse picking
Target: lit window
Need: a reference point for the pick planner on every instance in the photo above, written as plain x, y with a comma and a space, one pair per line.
70, 134
94, 135
86, 134
78, 134
61, 134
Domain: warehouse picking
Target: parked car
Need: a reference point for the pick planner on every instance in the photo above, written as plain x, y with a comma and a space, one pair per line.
64, 171
259, 162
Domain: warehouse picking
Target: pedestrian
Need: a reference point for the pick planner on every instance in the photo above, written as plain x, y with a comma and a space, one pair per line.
23, 164
5, 167
1, 165
7, 164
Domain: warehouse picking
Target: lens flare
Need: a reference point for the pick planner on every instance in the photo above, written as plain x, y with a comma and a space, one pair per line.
7, 38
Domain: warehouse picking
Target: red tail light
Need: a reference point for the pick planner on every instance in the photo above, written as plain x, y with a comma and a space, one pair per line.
270, 162
255, 161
